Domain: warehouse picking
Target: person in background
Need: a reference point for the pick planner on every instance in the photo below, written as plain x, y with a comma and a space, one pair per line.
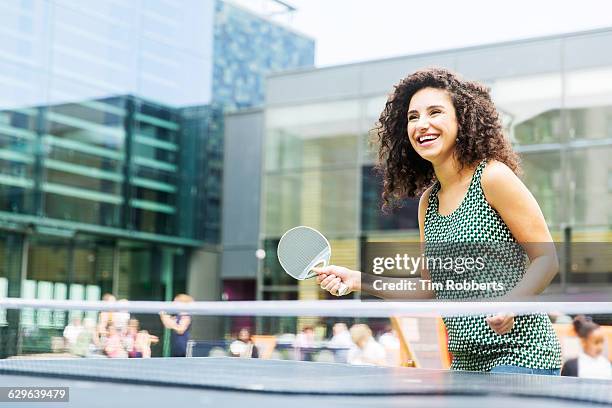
105, 318
129, 340
180, 326
590, 363
391, 343
340, 336
366, 350
113, 346
304, 340
138, 342
341, 340
560, 318
121, 318
86, 344
143, 343
72, 331
244, 346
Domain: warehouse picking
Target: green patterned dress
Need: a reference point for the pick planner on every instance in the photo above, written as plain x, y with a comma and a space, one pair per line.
476, 226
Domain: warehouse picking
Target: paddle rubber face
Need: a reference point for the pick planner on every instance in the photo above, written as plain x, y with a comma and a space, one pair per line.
301, 249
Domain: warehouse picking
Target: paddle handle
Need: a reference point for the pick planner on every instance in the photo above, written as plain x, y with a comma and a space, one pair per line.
343, 289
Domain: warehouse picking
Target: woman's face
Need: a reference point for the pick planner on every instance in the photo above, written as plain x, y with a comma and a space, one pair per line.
432, 124
593, 345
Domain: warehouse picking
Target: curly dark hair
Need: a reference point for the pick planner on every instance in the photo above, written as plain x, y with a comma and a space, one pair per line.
480, 135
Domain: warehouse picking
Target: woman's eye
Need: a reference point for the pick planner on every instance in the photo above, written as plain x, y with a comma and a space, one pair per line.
411, 118
434, 112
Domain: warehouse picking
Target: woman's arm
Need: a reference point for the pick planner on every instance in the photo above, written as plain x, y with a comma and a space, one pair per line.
167, 321
170, 323
331, 276
507, 194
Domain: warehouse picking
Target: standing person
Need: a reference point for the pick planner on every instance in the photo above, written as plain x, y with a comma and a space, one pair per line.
180, 326
440, 137
591, 361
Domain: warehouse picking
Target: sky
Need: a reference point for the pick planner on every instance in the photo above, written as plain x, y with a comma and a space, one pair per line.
349, 31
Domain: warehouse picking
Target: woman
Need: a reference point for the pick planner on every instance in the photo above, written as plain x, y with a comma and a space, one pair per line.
591, 362
180, 326
440, 137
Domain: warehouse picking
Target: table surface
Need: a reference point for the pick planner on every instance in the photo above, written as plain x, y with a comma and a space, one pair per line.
232, 381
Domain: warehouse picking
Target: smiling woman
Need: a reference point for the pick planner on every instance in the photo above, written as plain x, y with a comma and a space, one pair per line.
460, 111
440, 137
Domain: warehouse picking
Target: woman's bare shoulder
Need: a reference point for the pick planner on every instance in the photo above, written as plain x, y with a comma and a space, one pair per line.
497, 175
500, 184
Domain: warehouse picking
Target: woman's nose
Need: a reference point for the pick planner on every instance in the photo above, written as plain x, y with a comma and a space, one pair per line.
422, 123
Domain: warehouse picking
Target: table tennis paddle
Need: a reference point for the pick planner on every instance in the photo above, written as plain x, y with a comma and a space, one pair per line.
303, 248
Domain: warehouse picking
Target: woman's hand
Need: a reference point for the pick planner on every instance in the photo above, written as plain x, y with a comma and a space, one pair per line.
330, 278
501, 323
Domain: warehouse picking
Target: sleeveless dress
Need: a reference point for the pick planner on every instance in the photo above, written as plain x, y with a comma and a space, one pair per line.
476, 226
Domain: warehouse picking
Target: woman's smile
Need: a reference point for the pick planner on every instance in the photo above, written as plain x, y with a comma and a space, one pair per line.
427, 139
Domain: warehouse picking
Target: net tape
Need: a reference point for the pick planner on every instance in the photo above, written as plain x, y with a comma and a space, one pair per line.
330, 308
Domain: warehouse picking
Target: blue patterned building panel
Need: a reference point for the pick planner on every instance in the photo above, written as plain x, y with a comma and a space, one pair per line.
248, 47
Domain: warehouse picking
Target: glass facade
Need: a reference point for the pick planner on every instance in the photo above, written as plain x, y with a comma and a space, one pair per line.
110, 162
202, 133
59, 51
81, 161
153, 169
319, 166
312, 177
111, 143
78, 182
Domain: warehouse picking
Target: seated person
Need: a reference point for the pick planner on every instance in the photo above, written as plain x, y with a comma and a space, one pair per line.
590, 363
244, 346
366, 350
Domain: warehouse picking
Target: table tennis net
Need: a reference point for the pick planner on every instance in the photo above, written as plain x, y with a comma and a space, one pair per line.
409, 334
123, 342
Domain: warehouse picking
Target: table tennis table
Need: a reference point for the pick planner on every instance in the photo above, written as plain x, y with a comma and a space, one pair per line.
230, 382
